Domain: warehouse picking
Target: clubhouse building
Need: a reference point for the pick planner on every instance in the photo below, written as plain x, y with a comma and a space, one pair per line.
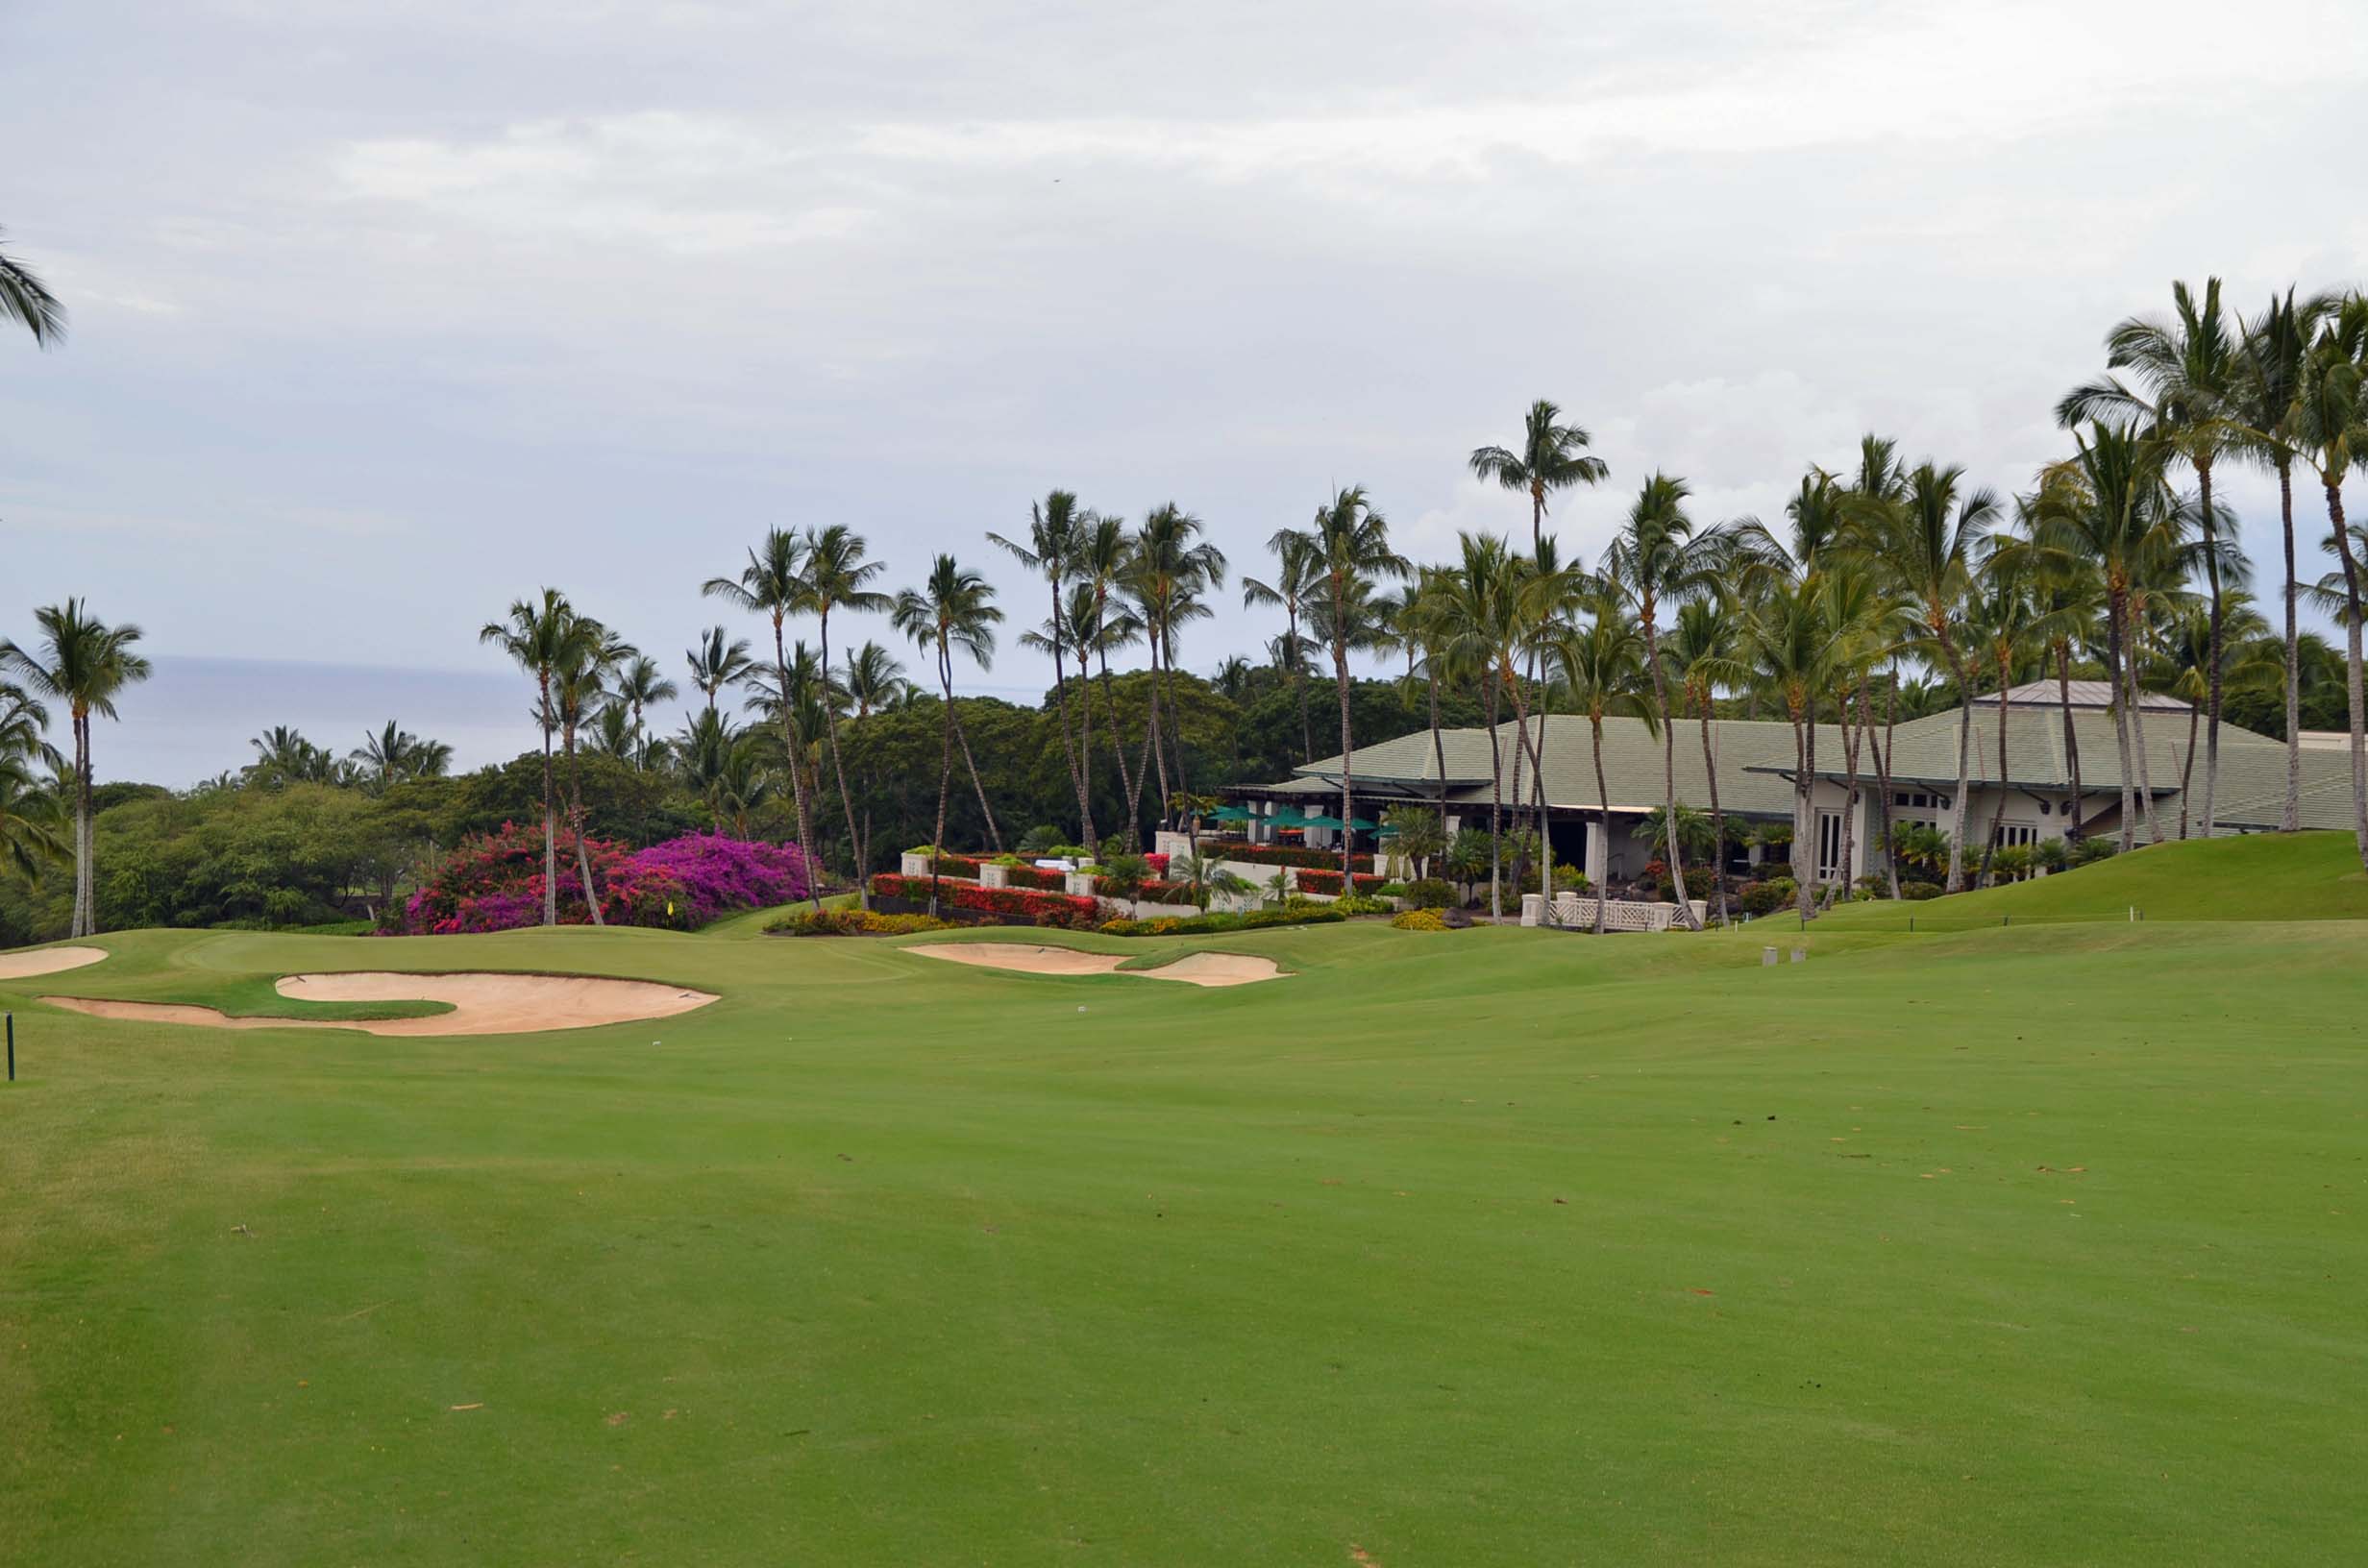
2034, 800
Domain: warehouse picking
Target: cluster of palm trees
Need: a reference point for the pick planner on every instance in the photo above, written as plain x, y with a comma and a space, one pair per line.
387, 755
80, 664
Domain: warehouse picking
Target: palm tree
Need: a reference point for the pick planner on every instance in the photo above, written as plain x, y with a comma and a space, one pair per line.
1926, 544
1471, 618
2006, 626
392, 753
83, 665
1702, 657
1603, 673
1553, 456
2253, 657
24, 299
954, 608
2187, 368
640, 683
1551, 591
2266, 399
2110, 505
838, 573
1352, 551
544, 637
774, 585
1053, 526
1166, 576
703, 758
2330, 432
874, 680
1790, 638
720, 660
1103, 550
1292, 591
1658, 557
29, 840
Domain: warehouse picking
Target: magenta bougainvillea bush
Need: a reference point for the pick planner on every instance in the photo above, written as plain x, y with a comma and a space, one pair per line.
495, 883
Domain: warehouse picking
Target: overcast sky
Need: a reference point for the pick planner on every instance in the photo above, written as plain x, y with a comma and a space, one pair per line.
384, 315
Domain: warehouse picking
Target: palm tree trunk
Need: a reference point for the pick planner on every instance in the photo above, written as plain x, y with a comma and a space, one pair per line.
944, 772
2071, 736
1069, 749
1298, 681
2186, 768
1998, 815
1965, 763
1155, 739
1439, 745
1668, 770
2138, 728
84, 922
2352, 671
838, 769
1603, 811
1175, 728
1545, 837
2291, 819
576, 820
1883, 770
1497, 805
2212, 728
1849, 799
2115, 659
1117, 745
551, 829
1718, 818
797, 772
995, 835
1348, 834
1804, 806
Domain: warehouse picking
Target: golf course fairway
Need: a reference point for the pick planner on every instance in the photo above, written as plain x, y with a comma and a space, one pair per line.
2037, 1244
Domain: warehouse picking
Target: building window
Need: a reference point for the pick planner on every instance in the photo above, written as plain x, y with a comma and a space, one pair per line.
2022, 833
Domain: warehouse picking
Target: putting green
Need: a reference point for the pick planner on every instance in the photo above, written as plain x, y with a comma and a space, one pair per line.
2033, 1245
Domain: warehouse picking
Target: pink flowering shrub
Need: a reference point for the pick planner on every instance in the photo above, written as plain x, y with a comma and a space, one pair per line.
495, 883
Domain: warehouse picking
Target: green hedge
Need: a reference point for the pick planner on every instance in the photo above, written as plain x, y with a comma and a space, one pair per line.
1194, 926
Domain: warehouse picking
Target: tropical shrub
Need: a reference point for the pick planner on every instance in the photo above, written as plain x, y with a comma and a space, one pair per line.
1419, 919
1773, 871
2049, 855
1356, 903
851, 922
1031, 876
987, 900
1278, 854
1390, 890
1918, 891
1329, 882
1123, 876
2011, 862
962, 865
1699, 883
494, 882
2092, 850
1768, 898
1430, 892
1193, 926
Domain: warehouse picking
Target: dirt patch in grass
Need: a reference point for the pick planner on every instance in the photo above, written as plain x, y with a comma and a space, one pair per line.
481, 1004
47, 960
1192, 970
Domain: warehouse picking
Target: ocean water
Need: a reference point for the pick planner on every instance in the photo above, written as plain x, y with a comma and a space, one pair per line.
195, 717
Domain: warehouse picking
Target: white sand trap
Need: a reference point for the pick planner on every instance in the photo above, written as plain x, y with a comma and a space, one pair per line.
483, 1004
1194, 968
47, 960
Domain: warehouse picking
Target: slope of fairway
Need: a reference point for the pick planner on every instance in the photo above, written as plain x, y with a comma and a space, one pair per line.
2026, 1246
2268, 876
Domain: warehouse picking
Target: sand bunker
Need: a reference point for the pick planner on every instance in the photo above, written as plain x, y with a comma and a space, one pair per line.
47, 960
483, 1004
1194, 968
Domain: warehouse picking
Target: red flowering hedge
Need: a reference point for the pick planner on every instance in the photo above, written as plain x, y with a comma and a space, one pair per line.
1035, 877
958, 866
1026, 901
495, 883
1329, 882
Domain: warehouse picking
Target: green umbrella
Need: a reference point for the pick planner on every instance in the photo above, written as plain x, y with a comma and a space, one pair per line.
1287, 816
1229, 814
1364, 826
1322, 822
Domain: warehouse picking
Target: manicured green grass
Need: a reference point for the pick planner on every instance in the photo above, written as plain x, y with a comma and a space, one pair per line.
2030, 1245
2304, 876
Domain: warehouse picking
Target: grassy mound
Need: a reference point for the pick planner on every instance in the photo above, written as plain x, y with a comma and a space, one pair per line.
2268, 876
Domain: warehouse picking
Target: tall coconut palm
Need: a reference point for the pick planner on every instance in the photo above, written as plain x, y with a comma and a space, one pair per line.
83, 665
29, 810
874, 680
1552, 457
1054, 525
1603, 669
638, 684
1294, 591
2330, 432
838, 574
1352, 551
1473, 612
774, 585
2187, 368
2252, 655
25, 299
2267, 400
579, 688
1170, 567
1550, 594
543, 636
2110, 505
1660, 558
720, 660
954, 608
1926, 542
392, 753
1105, 550
2008, 627
1791, 642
